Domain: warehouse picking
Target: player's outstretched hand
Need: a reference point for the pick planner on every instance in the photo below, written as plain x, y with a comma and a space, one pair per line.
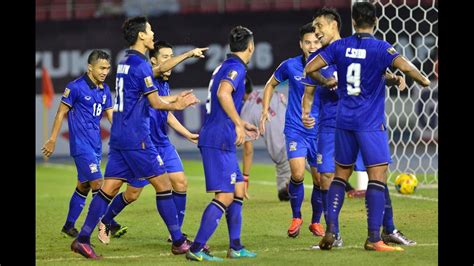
308, 121
193, 138
263, 119
185, 99
251, 131
48, 147
331, 83
199, 52
400, 82
240, 135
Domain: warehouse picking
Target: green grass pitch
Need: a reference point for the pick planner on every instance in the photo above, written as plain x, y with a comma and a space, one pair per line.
265, 221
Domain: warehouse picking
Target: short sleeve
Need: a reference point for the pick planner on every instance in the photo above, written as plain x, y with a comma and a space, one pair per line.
308, 81
108, 100
145, 79
329, 54
69, 96
387, 54
281, 73
235, 74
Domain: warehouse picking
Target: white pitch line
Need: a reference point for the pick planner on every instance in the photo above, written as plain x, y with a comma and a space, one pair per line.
77, 257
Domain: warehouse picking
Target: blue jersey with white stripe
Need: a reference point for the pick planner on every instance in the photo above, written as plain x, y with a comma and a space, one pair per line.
159, 118
86, 101
218, 130
361, 62
292, 70
131, 119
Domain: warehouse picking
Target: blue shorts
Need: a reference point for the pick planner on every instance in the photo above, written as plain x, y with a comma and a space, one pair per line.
299, 146
88, 167
325, 155
134, 166
221, 169
171, 158
373, 147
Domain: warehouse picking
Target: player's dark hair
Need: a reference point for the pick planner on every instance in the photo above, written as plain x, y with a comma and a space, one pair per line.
307, 28
96, 55
248, 85
132, 26
330, 14
363, 13
239, 38
158, 45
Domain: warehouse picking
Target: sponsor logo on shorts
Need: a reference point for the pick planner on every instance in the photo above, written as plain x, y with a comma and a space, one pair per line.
319, 158
293, 146
160, 161
233, 178
93, 168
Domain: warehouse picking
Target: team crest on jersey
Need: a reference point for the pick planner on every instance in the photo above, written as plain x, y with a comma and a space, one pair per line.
298, 78
87, 98
391, 50
66, 93
233, 178
319, 158
232, 74
148, 82
160, 161
93, 168
293, 146
104, 97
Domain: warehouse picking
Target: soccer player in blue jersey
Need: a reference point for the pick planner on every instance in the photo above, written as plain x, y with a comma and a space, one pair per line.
161, 53
223, 129
326, 23
300, 141
83, 102
132, 157
361, 61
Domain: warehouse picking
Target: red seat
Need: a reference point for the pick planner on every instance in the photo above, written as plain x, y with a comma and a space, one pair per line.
209, 6
262, 5
59, 10
284, 4
84, 9
235, 5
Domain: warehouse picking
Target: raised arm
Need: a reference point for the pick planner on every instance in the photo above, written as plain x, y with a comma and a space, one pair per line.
175, 60
49, 146
183, 100
409, 69
267, 97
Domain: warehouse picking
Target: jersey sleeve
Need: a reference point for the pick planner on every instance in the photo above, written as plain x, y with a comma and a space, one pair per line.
308, 81
145, 79
235, 74
329, 54
387, 54
108, 100
281, 73
69, 96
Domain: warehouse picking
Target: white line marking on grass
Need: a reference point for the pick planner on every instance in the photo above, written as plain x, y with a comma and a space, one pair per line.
77, 257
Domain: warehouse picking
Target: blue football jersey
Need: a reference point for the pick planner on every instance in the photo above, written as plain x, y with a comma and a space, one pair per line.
327, 98
131, 121
86, 101
292, 70
159, 118
361, 62
218, 130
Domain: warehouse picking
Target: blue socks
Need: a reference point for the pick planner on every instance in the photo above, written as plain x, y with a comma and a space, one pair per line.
167, 210
117, 205
76, 204
375, 203
324, 199
234, 223
296, 191
336, 194
388, 214
179, 198
97, 208
209, 222
317, 204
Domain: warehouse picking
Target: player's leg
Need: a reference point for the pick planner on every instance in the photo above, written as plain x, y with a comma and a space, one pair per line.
376, 155
345, 153
88, 170
220, 179
283, 174
234, 219
315, 226
297, 149
358, 167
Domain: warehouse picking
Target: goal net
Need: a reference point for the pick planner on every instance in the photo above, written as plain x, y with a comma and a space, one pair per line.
412, 115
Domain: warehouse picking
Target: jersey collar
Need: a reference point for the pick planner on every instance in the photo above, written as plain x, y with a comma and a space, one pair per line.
363, 35
131, 51
238, 59
91, 83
